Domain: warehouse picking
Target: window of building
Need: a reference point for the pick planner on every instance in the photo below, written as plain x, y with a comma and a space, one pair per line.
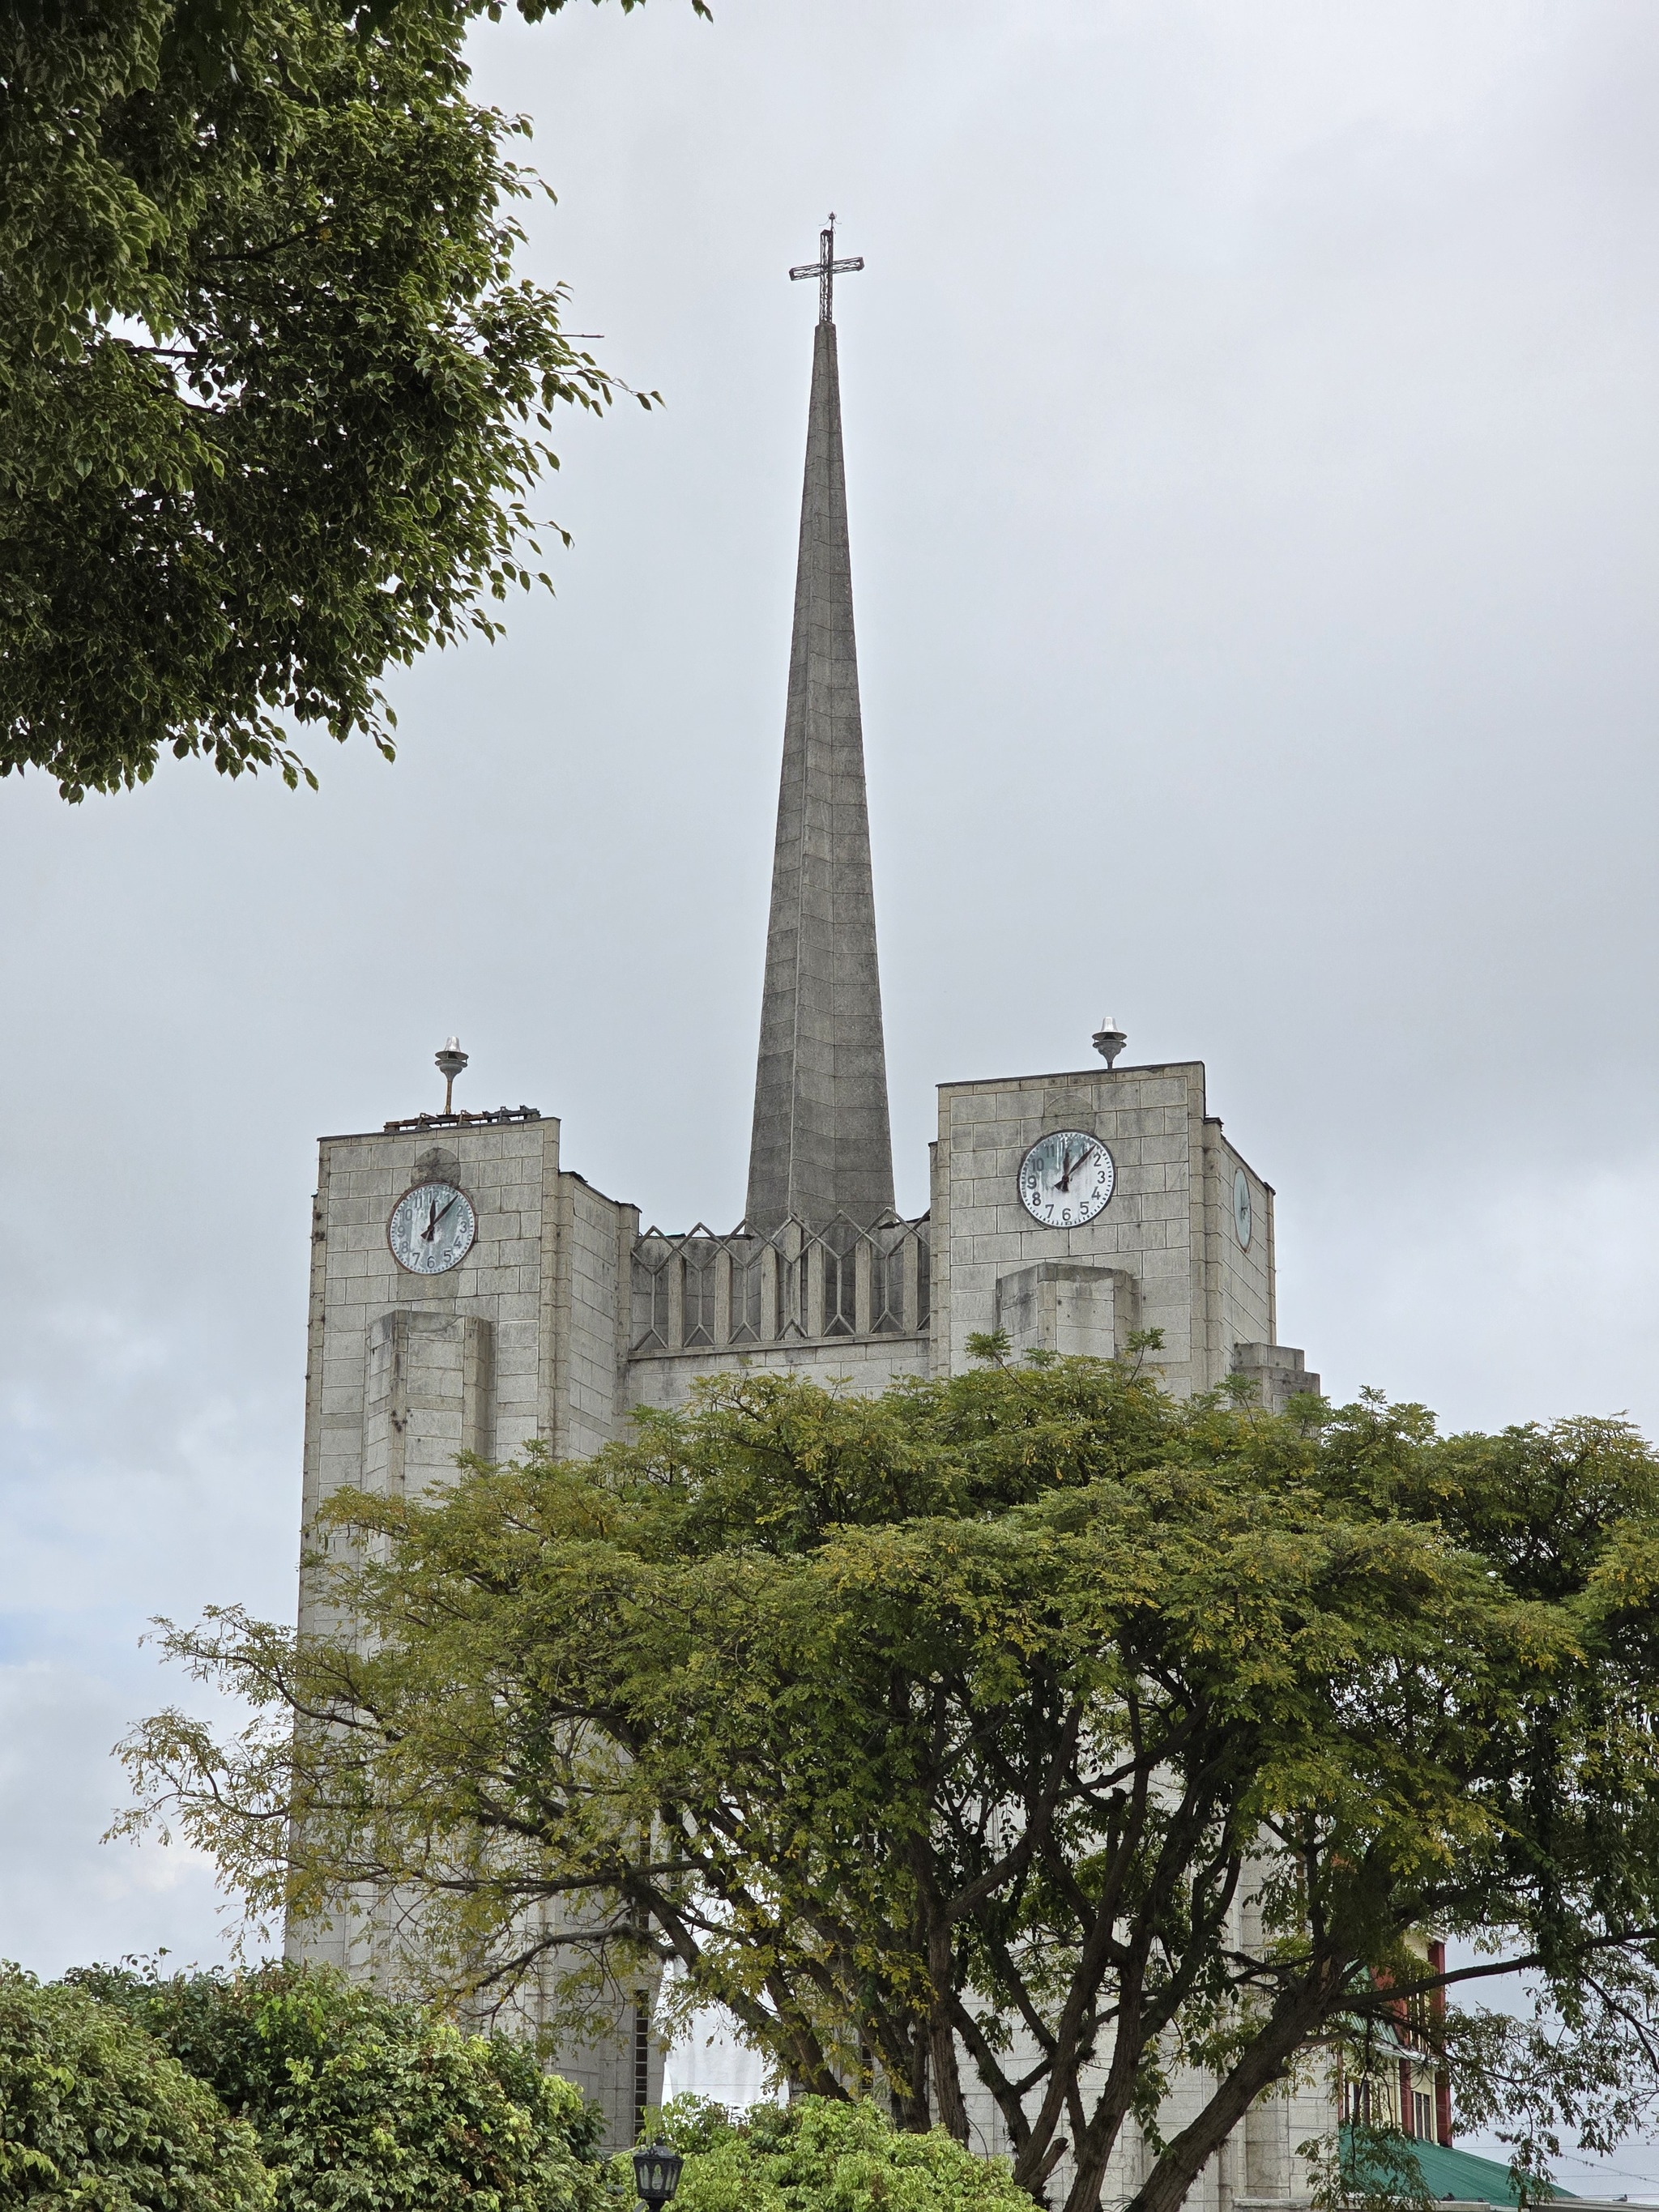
1423, 2115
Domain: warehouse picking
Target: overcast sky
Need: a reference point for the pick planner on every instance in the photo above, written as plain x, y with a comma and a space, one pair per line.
1254, 472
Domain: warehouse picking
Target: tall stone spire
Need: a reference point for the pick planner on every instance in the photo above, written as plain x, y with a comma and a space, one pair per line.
821, 1143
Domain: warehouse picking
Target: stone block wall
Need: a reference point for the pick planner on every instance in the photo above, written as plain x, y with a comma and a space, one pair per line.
1237, 1277
865, 1365
429, 1395
1068, 1307
379, 1334
1166, 1229
1276, 1372
589, 1323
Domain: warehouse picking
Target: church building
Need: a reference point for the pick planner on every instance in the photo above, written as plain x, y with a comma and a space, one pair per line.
471, 1289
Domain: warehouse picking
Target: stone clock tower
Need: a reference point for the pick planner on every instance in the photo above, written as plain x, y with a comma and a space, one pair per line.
470, 1290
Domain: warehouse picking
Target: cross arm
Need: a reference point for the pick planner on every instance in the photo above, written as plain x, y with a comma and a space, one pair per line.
836, 268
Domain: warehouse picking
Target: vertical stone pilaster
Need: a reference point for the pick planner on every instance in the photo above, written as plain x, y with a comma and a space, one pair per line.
938, 1247
477, 1387
429, 1395
1207, 1367
864, 1309
552, 1311
311, 1479
628, 1228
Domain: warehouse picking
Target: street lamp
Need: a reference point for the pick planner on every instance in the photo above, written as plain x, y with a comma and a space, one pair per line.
657, 2173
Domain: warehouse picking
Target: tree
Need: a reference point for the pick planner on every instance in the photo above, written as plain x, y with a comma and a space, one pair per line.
92, 2112
358, 2100
1029, 1722
271, 398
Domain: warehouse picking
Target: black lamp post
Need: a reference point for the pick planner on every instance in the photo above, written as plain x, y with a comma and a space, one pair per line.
657, 2173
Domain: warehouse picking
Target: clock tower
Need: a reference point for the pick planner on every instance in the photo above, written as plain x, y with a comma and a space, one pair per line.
471, 1290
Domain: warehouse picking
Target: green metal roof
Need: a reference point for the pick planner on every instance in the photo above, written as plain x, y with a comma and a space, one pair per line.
1460, 2174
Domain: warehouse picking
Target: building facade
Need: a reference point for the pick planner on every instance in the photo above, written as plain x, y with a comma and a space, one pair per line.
471, 1290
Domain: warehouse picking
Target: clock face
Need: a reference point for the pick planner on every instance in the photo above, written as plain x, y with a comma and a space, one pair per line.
1242, 1208
1065, 1178
432, 1228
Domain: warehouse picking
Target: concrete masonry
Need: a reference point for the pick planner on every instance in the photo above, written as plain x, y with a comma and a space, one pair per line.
821, 1143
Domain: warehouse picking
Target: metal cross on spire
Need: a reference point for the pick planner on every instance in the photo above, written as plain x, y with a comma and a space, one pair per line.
826, 269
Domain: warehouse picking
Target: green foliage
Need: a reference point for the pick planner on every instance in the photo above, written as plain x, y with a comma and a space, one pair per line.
989, 1344
272, 397
1031, 1695
360, 2102
206, 30
819, 2155
95, 2118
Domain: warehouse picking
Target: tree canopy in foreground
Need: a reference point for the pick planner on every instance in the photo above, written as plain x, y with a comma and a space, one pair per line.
1030, 1726
272, 398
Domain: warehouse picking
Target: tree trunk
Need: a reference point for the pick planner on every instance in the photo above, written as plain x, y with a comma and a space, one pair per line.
1286, 2029
1097, 2140
915, 2118
950, 2110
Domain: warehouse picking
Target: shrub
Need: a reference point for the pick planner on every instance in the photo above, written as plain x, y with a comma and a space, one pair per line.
821, 2155
95, 2115
364, 2104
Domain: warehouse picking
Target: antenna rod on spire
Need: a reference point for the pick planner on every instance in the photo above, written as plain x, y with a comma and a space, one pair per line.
826, 269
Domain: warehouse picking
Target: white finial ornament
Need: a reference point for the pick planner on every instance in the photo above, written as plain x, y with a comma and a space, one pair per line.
451, 1060
1109, 1039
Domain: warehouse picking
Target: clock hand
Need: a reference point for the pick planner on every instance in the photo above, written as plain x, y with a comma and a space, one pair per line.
446, 1209
1066, 1179
431, 1223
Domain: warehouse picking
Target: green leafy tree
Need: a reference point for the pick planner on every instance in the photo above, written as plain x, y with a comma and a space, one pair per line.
1028, 1723
359, 2101
818, 2152
94, 2114
272, 398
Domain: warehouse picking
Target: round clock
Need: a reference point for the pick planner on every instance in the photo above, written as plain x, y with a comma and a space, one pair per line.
1242, 1208
432, 1228
1065, 1179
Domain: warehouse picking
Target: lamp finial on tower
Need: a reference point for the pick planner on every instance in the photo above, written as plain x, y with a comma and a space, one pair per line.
451, 1060
1109, 1040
